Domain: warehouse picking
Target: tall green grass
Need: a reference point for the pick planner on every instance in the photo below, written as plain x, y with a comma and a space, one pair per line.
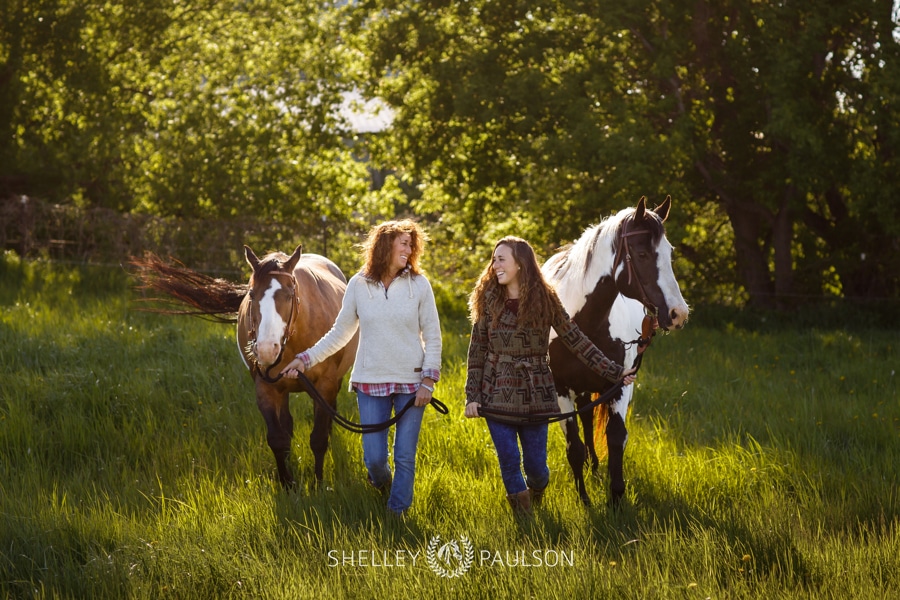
761, 464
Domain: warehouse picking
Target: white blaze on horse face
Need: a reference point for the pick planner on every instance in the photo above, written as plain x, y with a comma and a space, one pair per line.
678, 308
271, 327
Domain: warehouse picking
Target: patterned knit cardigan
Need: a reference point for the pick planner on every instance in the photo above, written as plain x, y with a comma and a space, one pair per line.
508, 368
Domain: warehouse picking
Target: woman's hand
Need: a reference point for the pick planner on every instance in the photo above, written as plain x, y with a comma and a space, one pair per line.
628, 376
423, 394
292, 368
472, 409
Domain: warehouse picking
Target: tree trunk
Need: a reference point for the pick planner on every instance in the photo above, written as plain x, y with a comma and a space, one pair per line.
750, 254
782, 236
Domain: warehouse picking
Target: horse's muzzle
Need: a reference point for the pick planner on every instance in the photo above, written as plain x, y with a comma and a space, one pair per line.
676, 318
267, 353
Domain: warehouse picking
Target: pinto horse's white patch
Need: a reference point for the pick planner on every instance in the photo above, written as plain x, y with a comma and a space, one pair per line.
575, 272
626, 318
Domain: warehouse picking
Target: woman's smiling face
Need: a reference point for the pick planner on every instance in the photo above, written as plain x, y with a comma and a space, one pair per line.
400, 252
505, 268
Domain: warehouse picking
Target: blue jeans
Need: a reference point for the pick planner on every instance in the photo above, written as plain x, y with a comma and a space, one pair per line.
533, 457
377, 409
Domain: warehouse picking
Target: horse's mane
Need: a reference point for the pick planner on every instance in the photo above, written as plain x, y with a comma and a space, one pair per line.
577, 267
579, 264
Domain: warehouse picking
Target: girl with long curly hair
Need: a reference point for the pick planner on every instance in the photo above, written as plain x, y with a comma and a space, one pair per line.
512, 310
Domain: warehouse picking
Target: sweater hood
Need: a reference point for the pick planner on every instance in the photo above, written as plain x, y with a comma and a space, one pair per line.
406, 274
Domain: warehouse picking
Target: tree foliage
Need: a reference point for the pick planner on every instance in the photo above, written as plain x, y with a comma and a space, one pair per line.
770, 120
199, 108
772, 125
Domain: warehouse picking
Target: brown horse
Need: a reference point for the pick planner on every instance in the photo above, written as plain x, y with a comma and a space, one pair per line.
289, 303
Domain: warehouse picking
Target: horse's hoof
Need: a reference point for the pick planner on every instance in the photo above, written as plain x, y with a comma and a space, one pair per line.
287, 481
586, 500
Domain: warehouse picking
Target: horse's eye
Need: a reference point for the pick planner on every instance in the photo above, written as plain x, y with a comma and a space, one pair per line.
251, 295
642, 255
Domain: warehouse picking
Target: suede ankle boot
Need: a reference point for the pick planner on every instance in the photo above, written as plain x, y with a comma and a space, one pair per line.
537, 496
520, 502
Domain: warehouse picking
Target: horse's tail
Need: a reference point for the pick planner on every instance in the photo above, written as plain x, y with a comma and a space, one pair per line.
601, 418
207, 296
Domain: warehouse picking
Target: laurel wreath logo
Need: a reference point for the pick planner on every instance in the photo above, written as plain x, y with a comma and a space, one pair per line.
442, 557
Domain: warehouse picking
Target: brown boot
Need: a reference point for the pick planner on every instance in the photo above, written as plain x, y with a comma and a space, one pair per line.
537, 496
520, 503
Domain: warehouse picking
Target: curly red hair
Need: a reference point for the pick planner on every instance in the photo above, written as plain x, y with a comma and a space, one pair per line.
377, 248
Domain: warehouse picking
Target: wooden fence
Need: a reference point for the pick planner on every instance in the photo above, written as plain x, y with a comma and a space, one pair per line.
34, 228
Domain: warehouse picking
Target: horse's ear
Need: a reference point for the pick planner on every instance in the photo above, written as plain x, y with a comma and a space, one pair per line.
641, 208
292, 261
663, 209
251, 257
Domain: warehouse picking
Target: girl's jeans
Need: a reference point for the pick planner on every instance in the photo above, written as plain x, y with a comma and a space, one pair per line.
533, 457
377, 409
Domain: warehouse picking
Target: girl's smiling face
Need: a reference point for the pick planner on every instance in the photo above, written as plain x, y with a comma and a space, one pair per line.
505, 268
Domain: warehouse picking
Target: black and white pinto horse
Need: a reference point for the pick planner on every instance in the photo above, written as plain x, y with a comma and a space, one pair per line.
607, 280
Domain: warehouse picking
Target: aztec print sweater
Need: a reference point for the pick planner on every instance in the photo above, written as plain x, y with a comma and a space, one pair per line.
509, 368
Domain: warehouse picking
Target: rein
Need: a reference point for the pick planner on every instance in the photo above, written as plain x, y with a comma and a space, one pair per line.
648, 330
359, 427
344, 422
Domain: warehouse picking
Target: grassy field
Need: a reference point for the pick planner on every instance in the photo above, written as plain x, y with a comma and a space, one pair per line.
762, 463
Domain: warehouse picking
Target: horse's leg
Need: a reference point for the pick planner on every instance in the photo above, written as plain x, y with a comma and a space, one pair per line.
275, 410
321, 430
616, 438
574, 448
587, 426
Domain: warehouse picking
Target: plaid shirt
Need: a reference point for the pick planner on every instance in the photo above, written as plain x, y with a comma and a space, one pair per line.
383, 389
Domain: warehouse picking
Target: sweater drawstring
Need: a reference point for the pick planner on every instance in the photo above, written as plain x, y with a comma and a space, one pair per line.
370, 282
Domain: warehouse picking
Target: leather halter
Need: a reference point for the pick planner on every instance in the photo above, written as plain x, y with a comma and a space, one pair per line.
288, 331
623, 253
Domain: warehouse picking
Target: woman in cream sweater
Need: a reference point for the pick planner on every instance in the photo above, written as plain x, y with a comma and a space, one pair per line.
392, 304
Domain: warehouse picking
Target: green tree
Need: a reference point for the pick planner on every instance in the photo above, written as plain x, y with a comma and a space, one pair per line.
768, 123
192, 109
782, 105
65, 84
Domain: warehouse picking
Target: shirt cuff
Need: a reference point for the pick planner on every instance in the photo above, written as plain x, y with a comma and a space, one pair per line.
304, 356
431, 374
